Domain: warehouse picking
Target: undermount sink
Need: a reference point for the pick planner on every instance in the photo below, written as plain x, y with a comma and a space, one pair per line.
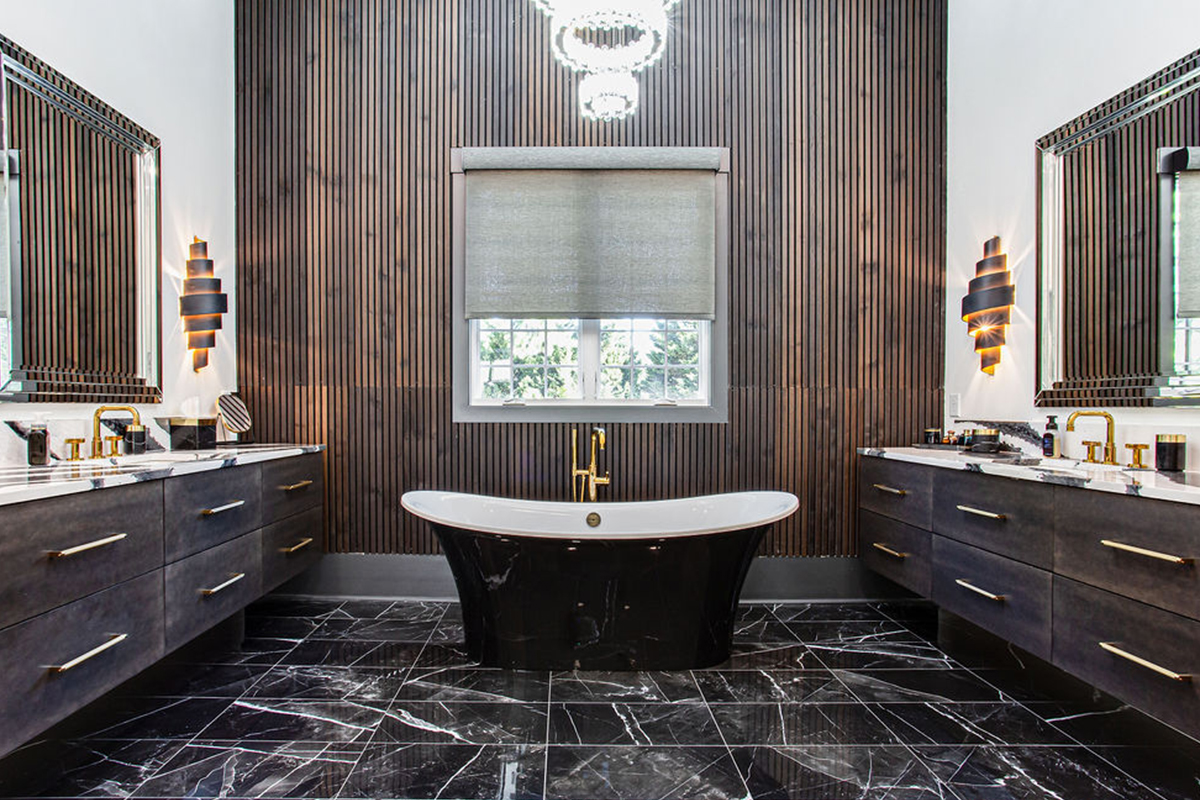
1075, 465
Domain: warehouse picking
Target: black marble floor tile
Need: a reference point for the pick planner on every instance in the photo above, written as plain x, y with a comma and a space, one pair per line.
463, 723
628, 773
746, 655
258, 651
906, 609
1108, 721
881, 655
967, 723
91, 768
295, 628
848, 632
449, 632
1030, 773
464, 771
254, 770
831, 772
352, 653
776, 686
919, 686
827, 612
765, 630
293, 606
800, 724
1040, 684
1173, 772
612, 687
147, 718
194, 680
271, 720
383, 629
402, 610
330, 683
445, 655
457, 684
363, 609
750, 612
642, 724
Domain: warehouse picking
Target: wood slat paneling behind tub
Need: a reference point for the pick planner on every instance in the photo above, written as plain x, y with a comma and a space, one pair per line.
834, 114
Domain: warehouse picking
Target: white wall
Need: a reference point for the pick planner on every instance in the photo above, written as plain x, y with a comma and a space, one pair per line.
169, 66
1017, 69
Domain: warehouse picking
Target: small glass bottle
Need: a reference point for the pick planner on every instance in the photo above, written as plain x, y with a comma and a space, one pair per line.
1170, 452
1051, 444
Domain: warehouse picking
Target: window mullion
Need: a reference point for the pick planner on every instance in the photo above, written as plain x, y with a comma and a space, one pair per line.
589, 358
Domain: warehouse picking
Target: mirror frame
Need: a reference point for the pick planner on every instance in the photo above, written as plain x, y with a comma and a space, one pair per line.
1157, 91
33, 75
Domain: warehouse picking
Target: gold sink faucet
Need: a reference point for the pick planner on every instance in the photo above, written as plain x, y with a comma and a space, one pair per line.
585, 481
1110, 444
97, 440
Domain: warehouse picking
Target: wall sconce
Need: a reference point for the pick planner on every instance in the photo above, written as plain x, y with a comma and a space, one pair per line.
201, 304
987, 307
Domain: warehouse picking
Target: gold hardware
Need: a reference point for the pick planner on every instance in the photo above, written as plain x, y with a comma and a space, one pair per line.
114, 640
888, 550
585, 481
300, 545
82, 548
74, 443
1091, 451
233, 578
979, 512
97, 442
1136, 451
208, 512
1141, 551
1110, 442
293, 487
963, 582
114, 444
890, 489
1141, 662
592, 519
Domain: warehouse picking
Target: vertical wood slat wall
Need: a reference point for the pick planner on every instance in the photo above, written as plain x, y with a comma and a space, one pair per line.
78, 241
834, 114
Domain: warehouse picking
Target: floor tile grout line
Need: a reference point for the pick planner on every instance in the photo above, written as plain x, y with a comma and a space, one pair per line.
721, 733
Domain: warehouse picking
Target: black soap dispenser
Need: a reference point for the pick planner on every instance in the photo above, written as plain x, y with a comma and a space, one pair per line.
1051, 444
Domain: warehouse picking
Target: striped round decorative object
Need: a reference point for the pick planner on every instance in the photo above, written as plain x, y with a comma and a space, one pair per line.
234, 413
987, 307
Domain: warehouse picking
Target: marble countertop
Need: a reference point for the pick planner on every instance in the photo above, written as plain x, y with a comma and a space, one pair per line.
20, 483
1180, 487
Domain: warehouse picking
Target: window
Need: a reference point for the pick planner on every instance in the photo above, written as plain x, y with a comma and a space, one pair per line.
599, 362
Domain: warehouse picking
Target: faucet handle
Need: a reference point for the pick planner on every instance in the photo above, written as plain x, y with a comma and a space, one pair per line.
114, 444
74, 443
1091, 451
1136, 451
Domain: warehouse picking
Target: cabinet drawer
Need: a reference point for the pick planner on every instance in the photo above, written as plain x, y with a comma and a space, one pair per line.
74, 636
205, 588
1087, 519
209, 508
62, 549
895, 550
291, 546
1086, 616
292, 485
1008, 598
897, 490
1010, 517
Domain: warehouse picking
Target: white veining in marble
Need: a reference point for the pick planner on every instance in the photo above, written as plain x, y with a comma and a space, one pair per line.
1180, 487
19, 484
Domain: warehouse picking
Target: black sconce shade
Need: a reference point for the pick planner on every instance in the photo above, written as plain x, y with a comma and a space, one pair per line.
987, 307
201, 304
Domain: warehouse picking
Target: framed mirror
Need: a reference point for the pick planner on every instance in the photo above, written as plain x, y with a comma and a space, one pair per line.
1118, 267
79, 242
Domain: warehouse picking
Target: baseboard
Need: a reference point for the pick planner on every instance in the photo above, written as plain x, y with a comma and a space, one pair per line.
429, 578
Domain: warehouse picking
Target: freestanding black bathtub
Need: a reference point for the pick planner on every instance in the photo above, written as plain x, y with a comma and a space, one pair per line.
652, 585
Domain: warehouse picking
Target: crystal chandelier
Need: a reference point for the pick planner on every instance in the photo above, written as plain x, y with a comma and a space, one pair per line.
608, 41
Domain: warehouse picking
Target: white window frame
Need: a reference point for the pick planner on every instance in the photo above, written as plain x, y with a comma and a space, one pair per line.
464, 346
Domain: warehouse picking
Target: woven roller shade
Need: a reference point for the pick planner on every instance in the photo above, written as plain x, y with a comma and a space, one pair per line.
1187, 253
590, 243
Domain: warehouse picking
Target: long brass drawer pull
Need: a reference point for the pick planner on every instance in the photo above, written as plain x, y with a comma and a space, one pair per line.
888, 550
300, 545
890, 489
966, 584
1141, 551
114, 640
237, 576
208, 512
979, 512
1141, 662
83, 548
293, 487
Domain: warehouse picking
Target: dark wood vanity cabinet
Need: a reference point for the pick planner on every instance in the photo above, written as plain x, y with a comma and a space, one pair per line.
1104, 586
98, 585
